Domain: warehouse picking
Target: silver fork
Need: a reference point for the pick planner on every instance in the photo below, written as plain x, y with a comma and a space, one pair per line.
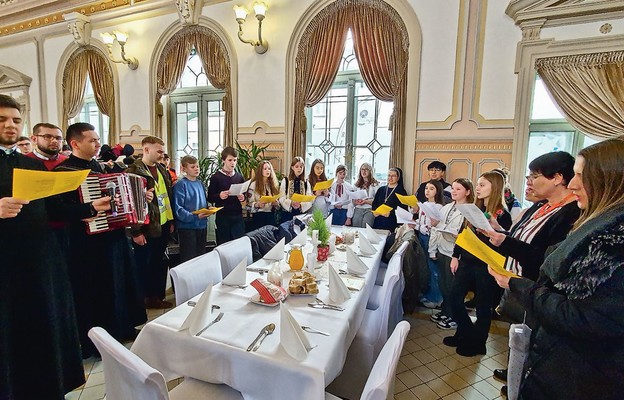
312, 330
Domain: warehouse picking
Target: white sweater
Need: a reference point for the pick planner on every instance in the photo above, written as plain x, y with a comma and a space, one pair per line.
443, 236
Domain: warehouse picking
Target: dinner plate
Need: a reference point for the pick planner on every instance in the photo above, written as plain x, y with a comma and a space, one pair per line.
302, 294
256, 300
341, 247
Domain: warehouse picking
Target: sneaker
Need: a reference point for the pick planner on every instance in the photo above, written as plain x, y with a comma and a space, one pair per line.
430, 304
447, 324
437, 317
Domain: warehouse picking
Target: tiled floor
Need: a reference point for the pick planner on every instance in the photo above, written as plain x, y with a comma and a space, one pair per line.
427, 368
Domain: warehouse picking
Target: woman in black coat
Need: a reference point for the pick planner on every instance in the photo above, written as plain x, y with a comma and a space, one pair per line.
577, 346
387, 195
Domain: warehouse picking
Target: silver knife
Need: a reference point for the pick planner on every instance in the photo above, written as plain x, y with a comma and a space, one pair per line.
214, 321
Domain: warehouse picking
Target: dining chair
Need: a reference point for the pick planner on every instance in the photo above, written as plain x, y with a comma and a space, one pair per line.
380, 382
193, 276
370, 337
127, 376
231, 253
395, 266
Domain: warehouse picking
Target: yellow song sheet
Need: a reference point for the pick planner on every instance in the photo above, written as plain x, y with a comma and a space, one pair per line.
323, 185
269, 199
472, 244
33, 185
382, 209
300, 198
207, 211
407, 200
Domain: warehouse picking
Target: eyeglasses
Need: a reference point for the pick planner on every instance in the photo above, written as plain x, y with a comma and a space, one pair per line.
393, 176
532, 177
435, 170
49, 137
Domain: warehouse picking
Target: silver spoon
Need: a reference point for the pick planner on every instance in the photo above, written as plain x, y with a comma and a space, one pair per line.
267, 331
192, 303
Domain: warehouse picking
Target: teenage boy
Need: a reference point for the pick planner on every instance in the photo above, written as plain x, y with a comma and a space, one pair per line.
229, 220
436, 170
189, 195
150, 240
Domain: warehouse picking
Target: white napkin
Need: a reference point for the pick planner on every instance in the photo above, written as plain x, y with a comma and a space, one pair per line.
338, 291
277, 252
238, 276
301, 238
366, 248
372, 236
292, 338
199, 316
328, 221
332, 243
354, 264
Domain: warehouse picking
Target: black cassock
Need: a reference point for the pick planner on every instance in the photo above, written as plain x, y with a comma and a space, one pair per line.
39, 350
103, 274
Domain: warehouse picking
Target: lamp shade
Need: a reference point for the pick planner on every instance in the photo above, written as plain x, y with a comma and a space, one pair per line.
260, 8
241, 12
107, 38
122, 37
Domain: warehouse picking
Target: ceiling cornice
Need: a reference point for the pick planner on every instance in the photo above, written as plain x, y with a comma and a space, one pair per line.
562, 12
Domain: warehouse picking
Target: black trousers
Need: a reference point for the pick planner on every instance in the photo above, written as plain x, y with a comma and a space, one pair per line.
229, 227
150, 264
446, 279
472, 275
192, 243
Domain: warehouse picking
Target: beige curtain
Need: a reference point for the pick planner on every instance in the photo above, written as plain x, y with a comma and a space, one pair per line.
316, 66
89, 60
589, 90
215, 60
382, 49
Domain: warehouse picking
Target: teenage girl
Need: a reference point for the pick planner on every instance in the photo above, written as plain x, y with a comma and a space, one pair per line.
294, 183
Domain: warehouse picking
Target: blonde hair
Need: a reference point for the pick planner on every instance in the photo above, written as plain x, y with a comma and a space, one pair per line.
496, 201
602, 177
360, 183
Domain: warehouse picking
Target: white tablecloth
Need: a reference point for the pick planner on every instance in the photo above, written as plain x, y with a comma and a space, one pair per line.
219, 355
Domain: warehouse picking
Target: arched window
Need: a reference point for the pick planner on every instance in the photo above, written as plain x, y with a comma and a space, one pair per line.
91, 113
196, 113
349, 125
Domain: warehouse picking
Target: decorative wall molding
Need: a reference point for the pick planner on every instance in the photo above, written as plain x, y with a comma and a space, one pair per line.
79, 26
260, 128
505, 147
17, 85
567, 12
189, 11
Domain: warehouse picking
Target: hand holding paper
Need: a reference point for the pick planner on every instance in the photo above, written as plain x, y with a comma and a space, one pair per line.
300, 198
407, 200
207, 211
404, 217
239, 188
358, 194
471, 243
430, 210
323, 185
33, 185
382, 210
269, 199
475, 216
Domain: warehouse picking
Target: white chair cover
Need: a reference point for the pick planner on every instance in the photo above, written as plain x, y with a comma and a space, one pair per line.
231, 253
370, 337
380, 383
191, 277
129, 377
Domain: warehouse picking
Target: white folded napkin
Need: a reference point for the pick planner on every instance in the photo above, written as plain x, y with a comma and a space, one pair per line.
301, 238
292, 338
366, 248
328, 221
277, 252
372, 236
200, 315
354, 264
332, 243
338, 291
238, 276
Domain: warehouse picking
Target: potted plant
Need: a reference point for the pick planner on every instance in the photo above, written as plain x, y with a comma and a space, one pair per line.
317, 223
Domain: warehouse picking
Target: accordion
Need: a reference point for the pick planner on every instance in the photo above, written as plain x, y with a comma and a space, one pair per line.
130, 207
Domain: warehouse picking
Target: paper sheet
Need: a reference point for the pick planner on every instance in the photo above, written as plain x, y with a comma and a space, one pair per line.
239, 188
269, 199
407, 200
404, 217
382, 209
475, 216
472, 244
207, 211
430, 210
301, 198
33, 185
323, 185
358, 194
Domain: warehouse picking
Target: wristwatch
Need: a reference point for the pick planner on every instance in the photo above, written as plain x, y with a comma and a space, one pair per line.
94, 212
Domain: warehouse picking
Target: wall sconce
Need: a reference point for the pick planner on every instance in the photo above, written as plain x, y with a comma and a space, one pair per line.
260, 45
121, 38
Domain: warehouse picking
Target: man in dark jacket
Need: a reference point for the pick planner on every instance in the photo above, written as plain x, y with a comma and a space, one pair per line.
37, 319
150, 240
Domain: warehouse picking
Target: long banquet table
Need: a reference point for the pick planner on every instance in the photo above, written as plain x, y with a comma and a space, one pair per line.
219, 355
